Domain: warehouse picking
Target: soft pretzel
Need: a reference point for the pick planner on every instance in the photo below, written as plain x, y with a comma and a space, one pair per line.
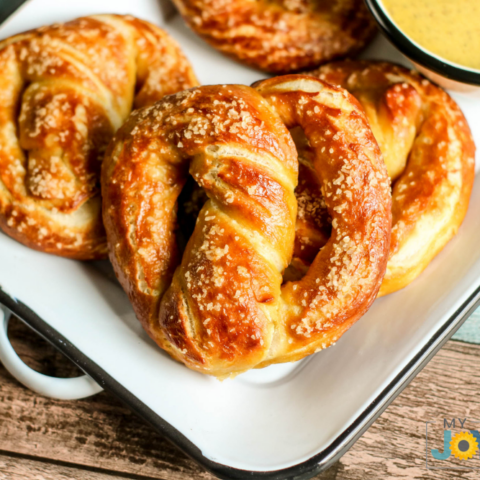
222, 308
281, 36
64, 90
429, 153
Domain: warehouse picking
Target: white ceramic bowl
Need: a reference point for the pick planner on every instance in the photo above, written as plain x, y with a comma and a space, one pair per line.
447, 74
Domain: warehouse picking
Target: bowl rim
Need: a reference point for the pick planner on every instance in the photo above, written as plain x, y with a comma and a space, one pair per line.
417, 53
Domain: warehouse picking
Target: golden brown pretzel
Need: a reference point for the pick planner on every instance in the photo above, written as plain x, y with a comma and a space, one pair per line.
429, 153
281, 36
222, 309
64, 90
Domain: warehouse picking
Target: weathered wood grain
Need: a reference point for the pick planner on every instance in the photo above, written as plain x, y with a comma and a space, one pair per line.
394, 447
98, 431
14, 468
101, 434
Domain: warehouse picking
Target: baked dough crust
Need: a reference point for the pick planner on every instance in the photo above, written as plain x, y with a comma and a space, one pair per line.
281, 36
64, 90
221, 309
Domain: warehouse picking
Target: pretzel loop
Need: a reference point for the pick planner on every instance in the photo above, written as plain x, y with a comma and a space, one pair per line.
429, 152
343, 279
65, 89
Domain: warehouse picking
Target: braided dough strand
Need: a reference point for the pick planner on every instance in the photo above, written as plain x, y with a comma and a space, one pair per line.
222, 309
217, 312
64, 90
429, 152
283, 35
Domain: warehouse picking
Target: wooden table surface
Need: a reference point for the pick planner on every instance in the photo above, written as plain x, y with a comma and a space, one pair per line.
100, 439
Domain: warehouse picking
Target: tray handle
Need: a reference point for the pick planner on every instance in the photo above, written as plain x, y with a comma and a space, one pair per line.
59, 388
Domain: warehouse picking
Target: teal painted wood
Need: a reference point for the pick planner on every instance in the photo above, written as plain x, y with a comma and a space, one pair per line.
470, 330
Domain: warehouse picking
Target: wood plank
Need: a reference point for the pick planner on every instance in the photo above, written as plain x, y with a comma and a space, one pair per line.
96, 432
99, 433
14, 468
394, 447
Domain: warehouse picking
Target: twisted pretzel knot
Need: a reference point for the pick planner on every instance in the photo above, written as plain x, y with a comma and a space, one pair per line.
429, 153
223, 309
64, 90
283, 35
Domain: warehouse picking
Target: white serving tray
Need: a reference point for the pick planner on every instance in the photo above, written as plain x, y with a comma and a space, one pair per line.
286, 421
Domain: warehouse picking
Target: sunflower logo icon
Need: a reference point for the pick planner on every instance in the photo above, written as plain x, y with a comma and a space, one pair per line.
464, 445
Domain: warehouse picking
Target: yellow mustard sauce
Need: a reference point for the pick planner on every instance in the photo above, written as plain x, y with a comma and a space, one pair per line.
447, 28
